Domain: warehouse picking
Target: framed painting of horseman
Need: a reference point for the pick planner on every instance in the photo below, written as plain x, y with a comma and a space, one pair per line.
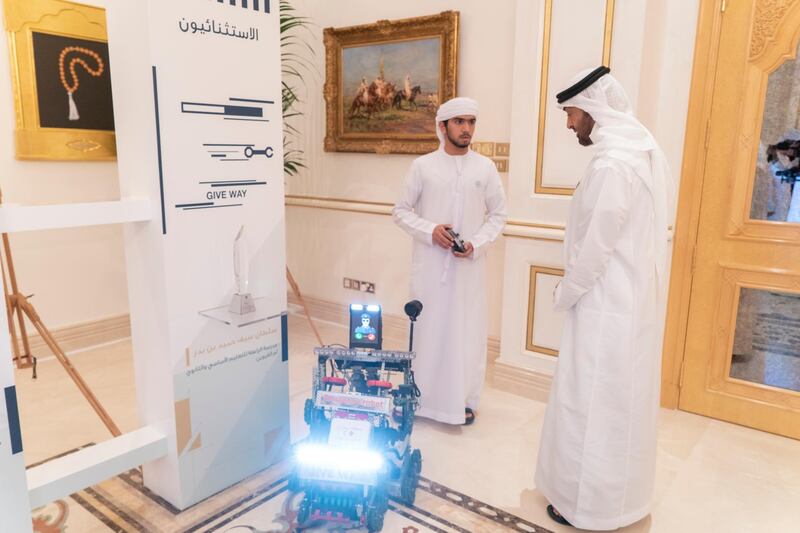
384, 83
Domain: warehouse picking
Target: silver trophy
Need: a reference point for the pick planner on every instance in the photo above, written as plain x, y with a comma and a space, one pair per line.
242, 303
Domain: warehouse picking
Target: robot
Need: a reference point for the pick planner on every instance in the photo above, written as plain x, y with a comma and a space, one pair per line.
360, 416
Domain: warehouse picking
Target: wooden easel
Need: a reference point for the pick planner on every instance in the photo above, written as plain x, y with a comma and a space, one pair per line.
19, 305
296, 290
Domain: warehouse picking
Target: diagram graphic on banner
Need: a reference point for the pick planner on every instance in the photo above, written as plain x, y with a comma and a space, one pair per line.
248, 113
237, 152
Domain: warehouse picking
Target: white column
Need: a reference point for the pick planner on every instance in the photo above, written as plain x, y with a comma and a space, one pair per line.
197, 105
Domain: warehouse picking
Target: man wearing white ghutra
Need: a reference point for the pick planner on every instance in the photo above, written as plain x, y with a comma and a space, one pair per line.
597, 452
459, 190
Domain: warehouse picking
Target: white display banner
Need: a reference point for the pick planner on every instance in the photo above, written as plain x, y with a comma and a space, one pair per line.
15, 511
197, 103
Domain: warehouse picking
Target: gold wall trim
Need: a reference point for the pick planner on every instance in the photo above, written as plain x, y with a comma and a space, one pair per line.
332, 199
529, 345
608, 32
339, 204
529, 224
608, 29
520, 229
532, 237
534, 231
548, 20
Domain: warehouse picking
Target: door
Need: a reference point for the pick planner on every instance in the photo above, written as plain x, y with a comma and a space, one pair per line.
742, 353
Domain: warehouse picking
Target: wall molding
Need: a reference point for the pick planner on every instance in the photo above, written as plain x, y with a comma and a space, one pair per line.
534, 270
608, 26
523, 229
339, 204
534, 231
82, 335
392, 324
521, 381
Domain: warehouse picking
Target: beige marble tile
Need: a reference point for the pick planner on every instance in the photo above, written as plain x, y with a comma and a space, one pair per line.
55, 417
711, 476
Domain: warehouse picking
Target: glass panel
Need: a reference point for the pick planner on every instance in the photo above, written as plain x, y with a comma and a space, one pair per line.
766, 346
776, 194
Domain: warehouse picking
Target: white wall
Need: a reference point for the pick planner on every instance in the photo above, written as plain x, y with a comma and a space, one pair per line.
666, 74
77, 275
325, 245
652, 48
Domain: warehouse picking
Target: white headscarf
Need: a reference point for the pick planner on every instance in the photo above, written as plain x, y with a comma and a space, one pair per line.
616, 128
455, 107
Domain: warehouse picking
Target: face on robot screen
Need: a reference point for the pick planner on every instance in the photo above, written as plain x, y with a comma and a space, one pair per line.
365, 328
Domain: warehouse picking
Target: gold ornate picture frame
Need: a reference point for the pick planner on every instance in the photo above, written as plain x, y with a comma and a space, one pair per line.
530, 342
384, 82
61, 78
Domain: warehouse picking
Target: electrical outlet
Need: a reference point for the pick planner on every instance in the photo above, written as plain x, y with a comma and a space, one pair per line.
357, 285
483, 148
501, 164
353, 284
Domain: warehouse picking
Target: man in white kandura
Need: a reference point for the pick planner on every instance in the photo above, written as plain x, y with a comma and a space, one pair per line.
597, 453
451, 188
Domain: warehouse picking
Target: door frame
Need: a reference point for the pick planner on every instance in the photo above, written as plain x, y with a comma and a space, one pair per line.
709, 23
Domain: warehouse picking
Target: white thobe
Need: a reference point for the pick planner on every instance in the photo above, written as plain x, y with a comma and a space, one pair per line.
450, 334
597, 452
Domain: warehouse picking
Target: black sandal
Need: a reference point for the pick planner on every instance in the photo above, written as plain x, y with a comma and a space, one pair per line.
469, 416
556, 516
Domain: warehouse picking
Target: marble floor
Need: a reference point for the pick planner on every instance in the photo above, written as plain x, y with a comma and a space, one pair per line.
711, 476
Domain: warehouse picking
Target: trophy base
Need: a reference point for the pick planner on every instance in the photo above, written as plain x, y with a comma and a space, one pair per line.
242, 304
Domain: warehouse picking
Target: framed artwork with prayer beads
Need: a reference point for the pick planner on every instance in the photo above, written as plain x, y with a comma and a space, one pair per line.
384, 82
62, 80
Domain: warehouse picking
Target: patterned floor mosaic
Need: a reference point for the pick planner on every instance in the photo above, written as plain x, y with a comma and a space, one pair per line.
259, 504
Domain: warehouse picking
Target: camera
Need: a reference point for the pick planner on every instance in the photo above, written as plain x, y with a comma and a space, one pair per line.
458, 242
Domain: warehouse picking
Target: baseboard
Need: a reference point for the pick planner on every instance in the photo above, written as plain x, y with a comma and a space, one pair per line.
81, 335
521, 381
392, 324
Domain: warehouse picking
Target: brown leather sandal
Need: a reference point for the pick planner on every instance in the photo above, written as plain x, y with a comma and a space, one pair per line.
556, 516
469, 416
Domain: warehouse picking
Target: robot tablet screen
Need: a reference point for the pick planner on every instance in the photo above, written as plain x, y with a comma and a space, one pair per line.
365, 326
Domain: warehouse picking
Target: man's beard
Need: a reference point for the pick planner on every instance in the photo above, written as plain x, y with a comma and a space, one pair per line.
585, 140
457, 142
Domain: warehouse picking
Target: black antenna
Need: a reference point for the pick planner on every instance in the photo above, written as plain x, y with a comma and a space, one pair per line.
412, 309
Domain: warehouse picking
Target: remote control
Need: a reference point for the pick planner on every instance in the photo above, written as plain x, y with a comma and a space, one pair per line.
458, 242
